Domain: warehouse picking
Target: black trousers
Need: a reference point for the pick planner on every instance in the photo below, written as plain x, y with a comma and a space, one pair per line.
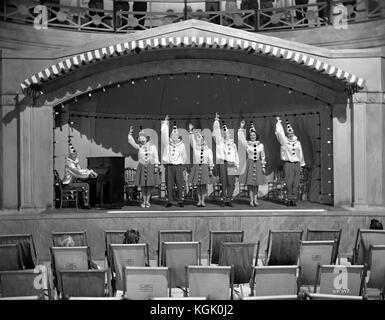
292, 171
174, 176
228, 182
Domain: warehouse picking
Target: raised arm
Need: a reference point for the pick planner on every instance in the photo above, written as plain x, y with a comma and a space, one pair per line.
131, 139
279, 132
242, 134
263, 157
156, 157
236, 162
165, 139
217, 130
184, 153
192, 136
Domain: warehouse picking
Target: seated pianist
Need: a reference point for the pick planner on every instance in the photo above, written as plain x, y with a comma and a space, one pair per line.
73, 173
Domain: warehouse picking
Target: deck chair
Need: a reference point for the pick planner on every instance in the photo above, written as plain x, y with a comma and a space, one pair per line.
365, 238
143, 283
313, 253
280, 297
10, 257
171, 236
376, 264
83, 283
240, 256
326, 234
215, 241
212, 282
318, 296
340, 280
283, 247
123, 255
27, 248
275, 280
25, 283
68, 258
178, 255
79, 237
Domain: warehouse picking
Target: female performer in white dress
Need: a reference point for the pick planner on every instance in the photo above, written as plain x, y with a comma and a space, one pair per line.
202, 170
255, 164
147, 172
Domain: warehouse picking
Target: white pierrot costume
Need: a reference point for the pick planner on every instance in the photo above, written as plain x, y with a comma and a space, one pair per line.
174, 152
147, 153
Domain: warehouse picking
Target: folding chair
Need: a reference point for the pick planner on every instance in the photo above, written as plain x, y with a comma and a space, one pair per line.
313, 253
83, 283
275, 280
376, 265
10, 257
134, 255
171, 236
340, 280
326, 234
365, 238
25, 283
212, 282
68, 258
178, 255
240, 256
143, 283
283, 247
79, 237
27, 248
281, 297
318, 296
215, 241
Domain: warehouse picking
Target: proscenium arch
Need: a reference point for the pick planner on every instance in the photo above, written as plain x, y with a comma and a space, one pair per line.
228, 49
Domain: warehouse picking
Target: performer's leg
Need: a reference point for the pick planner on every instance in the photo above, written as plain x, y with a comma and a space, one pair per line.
223, 181
203, 193
179, 183
199, 193
251, 195
230, 189
256, 188
170, 182
83, 188
288, 178
296, 180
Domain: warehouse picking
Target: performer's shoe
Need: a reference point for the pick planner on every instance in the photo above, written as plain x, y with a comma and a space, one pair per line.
229, 204
143, 205
148, 205
199, 204
223, 204
168, 205
256, 203
251, 204
181, 204
203, 205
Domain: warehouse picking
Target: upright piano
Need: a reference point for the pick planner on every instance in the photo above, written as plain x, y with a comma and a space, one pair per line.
107, 190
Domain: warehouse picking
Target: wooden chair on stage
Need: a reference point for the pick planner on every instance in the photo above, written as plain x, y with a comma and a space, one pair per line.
10, 257
326, 234
143, 283
313, 253
350, 280
27, 248
64, 196
23, 283
68, 258
127, 255
171, 236
216, 238
275, 187
83, 283
130, 189
376, 267
303, 187
212, 282
366, 238
242, 257
283, 247
178, 255
276, 281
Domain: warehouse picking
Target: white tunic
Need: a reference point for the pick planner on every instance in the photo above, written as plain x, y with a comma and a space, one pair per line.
201, 155
72, 171
291, 150
255, 150
174, 153
226, 149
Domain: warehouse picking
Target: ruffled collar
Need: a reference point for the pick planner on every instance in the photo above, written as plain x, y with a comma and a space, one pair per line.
293, 140
176, 144
253, 143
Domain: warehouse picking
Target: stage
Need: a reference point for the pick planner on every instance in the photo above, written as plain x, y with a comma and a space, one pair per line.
256, 222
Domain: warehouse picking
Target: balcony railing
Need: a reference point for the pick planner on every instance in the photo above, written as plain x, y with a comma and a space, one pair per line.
264, 19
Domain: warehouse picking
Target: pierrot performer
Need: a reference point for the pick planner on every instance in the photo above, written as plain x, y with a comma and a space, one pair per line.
174, 157
147, 172
292, 157
227, 160
202, 170
255, 164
